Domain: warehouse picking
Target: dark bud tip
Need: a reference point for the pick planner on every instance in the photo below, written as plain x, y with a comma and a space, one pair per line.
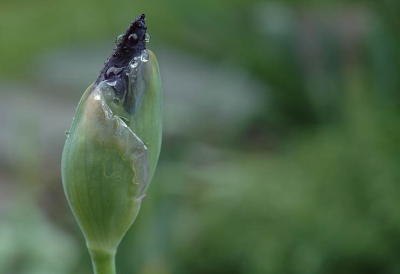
131, 44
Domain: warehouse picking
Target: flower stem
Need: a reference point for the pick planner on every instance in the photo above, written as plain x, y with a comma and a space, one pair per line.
103, 261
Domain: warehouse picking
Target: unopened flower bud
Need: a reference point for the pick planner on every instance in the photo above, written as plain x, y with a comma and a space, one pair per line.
113, 145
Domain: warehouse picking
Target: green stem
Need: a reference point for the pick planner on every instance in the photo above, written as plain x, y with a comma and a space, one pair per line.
103, 261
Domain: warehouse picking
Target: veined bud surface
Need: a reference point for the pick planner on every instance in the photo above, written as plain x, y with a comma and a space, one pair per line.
114, 142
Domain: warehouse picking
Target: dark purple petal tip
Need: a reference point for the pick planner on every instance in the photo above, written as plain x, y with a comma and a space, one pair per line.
131, 44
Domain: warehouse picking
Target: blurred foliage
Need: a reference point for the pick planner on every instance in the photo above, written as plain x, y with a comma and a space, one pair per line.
270, 39
306, 181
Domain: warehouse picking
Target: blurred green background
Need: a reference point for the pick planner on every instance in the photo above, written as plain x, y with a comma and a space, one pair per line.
281, 148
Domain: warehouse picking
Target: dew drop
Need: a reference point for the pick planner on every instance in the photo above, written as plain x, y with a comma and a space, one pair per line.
147, 37
134, 64
67, 133
133, 36
144, 57
119, 38
111, 84
113, 71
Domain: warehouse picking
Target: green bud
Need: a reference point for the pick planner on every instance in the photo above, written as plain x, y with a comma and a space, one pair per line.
112, 148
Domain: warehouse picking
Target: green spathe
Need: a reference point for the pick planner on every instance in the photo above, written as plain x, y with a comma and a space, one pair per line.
109, 158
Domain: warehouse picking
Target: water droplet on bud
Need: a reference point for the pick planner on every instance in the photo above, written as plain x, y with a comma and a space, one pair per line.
144, 57
113, 71
111, 84
147, 37
134, 64
133, 36
119, 38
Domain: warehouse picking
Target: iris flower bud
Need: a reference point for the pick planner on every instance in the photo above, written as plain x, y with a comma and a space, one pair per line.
112, 148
